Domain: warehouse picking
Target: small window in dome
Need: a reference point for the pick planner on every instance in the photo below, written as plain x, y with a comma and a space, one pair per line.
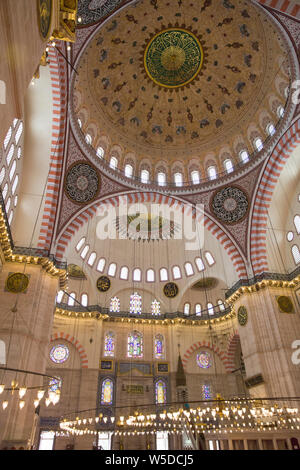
195, 177
221, 305
188, 269
7, 138
59, 296
280, 111
150, 275
5, 190
80, 243
137, 275
163, 274
100, 152
79, 123
200, 264
101, 265
2, 174
212, 172
124, 273
186, 308
19, 133
128, 171
7, 205
15, 184
244, 156
178, 179
161, 178
297, 223
88, 139
296, 254
228, 165
145, 176
10, 217
210, 308
84, 300
19, 153
15, 122
10, 154
92, 258
198, 309
209, 258
12, 170
113, 163
271, 129
290, 236
85, 251
176, 272
112, 269
16, 201
258, 144
71, 299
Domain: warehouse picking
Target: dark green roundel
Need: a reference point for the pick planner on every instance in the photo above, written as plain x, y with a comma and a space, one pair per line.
242, 315
45, 15
173, 57
103, 283
171, 290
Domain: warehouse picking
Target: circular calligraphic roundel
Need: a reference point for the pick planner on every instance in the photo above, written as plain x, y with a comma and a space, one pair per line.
242, 315
59, 353
230, 204
17, 282
103, 284
171, 290
285, 304
173, 57
82, 183
45, 16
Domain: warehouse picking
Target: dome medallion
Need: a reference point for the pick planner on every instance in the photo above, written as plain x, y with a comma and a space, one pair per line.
173, 58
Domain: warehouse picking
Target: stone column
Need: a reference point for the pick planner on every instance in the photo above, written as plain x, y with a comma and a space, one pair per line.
25, 327
266, 341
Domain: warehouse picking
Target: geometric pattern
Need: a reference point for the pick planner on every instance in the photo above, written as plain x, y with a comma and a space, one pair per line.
230, 204
75, 342
285, 6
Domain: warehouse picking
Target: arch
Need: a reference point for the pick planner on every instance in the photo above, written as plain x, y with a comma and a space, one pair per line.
287, 6
58, 76
203, 344
263, 197
233, 343
139, 197
75, 342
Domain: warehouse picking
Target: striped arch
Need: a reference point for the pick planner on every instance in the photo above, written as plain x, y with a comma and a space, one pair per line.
75, 342
285, 6
258, 248
138, 197
203, 344
58, 75
233, 342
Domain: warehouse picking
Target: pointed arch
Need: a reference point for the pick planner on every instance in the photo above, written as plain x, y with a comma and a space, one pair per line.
203, 344
75, 342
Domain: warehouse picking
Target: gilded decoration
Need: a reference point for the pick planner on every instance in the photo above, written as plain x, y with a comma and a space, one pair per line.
242, 315
103, 284
206, 283
173, 58
17, 282
45, 17
230, 204
82, 182
171, 290
75, 272
285, 304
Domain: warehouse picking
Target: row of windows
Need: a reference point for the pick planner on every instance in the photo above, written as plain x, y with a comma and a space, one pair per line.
212, 174
290, 237
135, 345
137, 273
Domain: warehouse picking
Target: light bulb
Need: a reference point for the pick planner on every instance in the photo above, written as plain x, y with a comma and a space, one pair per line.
4, 404
40, 394
2, 387
22, 391
36, 403
47, 401
52, 396
21, 404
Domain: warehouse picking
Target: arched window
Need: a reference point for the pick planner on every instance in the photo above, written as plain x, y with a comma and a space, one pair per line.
4, 192
85, 251
244, 156
178, 179
210, 309
296, 254
270, 129
59, 296
79, 123
55, 385
198, 309
7, 205
15, 122
113, 163
228, 165
101, 265
160, 392
16, 201
199, 264
145, 176
161, 178
88, 139
159, 347
19, 133
290, 236
176, 272
92, 258
2, 174
14, 185
112, 269
163, 274
135, 344
2, 352
212, 172
10, 217
107, 391
12, 170
188, 269
150, 275
124, 273
80, 243
114, 305
109, 344
206, 392
280, 111
258, 144
84, 300
186, 308
10, 154
71, 299
155, 307
135, 304
100, 152
195, 177
297, 223
7, 138
19, 153
137, 275
209, 258
221, 305
128, 171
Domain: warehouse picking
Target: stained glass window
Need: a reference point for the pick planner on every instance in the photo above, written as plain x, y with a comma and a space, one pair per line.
114, 304
135, 344
206, 392
160, 392
109, 344
159, 350
107, 392
135, 304
55, 384
155, 307
59, 353
204, 360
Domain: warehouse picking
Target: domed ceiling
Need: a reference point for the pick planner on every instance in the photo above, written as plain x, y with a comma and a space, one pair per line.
164, 82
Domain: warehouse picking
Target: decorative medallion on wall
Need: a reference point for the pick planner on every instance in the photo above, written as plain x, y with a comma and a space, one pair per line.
91, 11
75, 272
230, 204
82, 183
204, 360
242, 315
285, 304
103, 284
44, 16
17, 282
59, 353
205, 283
171, 290
173, 58
146, 227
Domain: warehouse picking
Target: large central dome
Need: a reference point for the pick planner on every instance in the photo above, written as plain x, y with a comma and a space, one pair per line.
166, 81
